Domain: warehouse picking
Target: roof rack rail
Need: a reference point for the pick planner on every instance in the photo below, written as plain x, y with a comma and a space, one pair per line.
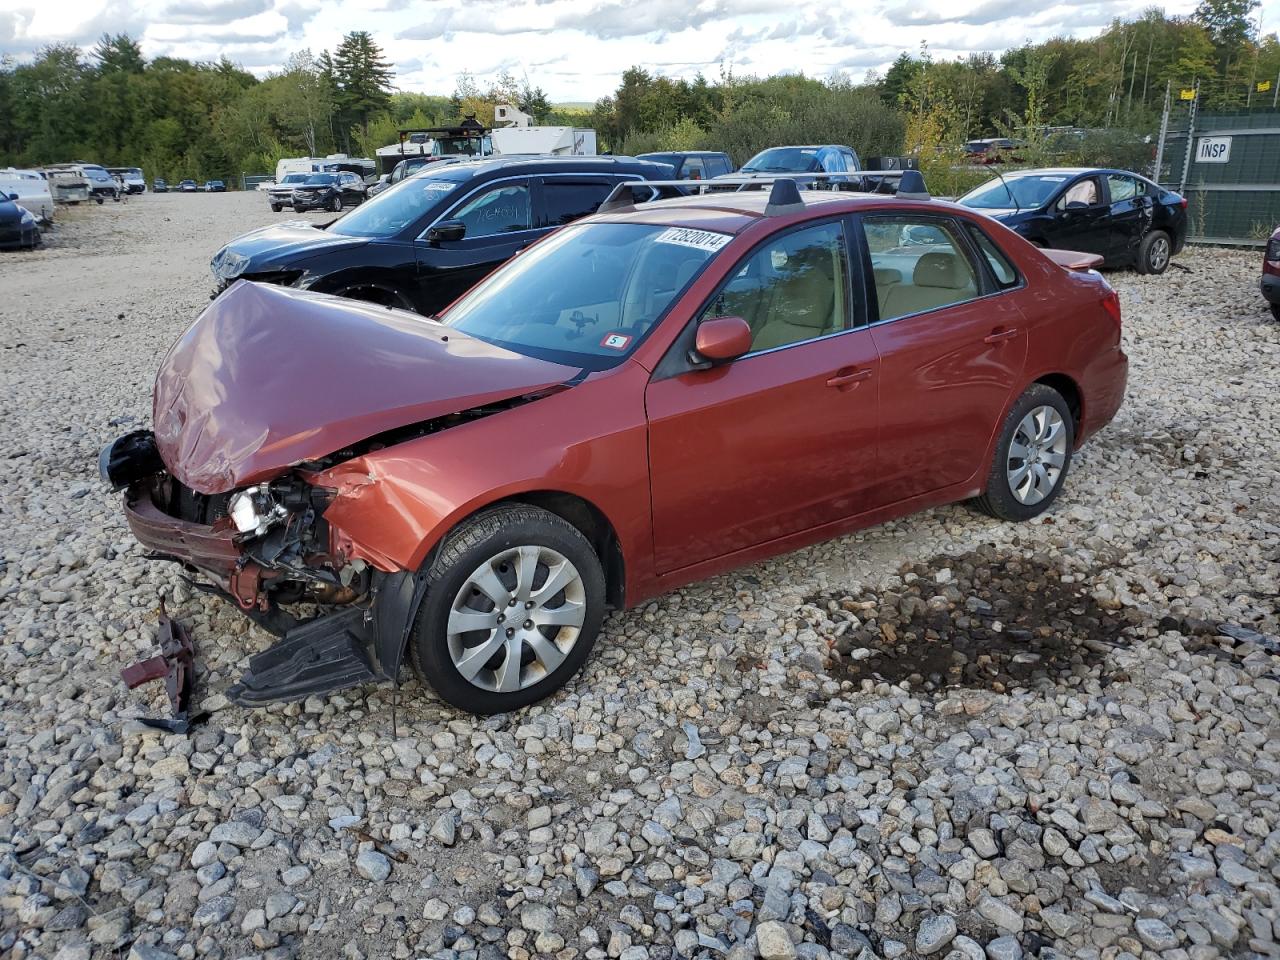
911, 186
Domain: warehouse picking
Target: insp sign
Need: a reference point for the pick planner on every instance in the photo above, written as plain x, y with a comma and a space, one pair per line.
1213, 150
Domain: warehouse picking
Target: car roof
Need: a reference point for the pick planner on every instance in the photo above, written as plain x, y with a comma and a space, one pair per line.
525, 164
732, 212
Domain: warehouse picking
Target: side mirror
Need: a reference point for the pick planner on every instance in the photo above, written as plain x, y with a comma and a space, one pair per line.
447, 231
722, 338
13, 196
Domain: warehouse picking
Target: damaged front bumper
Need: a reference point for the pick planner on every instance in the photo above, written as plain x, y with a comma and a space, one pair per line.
359, 639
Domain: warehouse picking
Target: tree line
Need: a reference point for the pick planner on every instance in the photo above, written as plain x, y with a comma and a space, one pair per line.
177, 118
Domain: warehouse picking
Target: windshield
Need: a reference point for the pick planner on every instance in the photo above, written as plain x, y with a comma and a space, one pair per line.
587, 295
295, 177
321, 179
393, 210
784, 160
1026, 193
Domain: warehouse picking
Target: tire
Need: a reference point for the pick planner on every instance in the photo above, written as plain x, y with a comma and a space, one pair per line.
1154, 253
275, 208
99, 199
384, 296
1275, 310
1002, 498
336, 205
512, 535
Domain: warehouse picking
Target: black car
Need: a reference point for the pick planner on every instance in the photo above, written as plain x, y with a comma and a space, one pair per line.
1120, 215
407, 168
188, 186
215, 186
328, 191
692, 164
18, 227
430, 239
159, 186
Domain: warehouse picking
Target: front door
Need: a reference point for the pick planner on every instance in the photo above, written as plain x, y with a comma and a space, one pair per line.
952, 348
498, 221
782, 439
1078, 219
1130, 216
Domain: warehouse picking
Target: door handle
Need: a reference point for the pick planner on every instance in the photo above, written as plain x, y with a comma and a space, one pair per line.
848, 379
997, 336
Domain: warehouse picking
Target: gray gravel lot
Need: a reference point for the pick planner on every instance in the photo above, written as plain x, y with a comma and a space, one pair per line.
945, 736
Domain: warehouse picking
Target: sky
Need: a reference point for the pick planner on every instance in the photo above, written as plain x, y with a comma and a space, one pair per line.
575, 50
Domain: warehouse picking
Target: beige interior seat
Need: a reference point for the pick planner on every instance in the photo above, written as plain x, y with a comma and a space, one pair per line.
886, 279
939, 279
802, 304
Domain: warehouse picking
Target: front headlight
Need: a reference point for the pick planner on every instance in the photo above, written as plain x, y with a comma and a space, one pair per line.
27, 218
227, 264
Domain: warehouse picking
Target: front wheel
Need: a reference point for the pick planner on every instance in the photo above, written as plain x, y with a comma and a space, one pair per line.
1033, 456
1275, 310
275, 208
1154, 252
514, 603
99, 199
336, 205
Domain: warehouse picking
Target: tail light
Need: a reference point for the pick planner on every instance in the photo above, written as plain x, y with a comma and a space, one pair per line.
1273, 250
1182, 202
1111, 303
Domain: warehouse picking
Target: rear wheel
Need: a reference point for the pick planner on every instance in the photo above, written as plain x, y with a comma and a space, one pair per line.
1033, 456
514, 602
1154, 252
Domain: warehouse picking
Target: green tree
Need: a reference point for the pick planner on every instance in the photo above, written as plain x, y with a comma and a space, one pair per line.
362, 81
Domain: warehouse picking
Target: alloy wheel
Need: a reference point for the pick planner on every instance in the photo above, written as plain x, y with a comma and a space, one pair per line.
1037, 454
516, 618
1158, 258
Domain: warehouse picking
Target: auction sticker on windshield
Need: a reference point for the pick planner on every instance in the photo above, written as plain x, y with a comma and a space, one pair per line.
707, 240
616, 341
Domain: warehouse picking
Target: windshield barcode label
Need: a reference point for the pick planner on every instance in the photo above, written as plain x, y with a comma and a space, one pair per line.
700, 239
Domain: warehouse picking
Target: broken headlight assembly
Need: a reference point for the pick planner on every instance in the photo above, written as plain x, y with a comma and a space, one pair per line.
254, 511
227, 264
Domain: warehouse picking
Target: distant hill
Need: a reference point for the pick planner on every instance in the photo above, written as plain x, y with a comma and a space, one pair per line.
583, 105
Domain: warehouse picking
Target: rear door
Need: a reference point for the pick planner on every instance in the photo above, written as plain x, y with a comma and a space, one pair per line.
563, 199
780, 440
952, 348
499, 220
1130, 215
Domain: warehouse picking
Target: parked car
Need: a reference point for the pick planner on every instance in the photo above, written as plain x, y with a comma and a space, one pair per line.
1123, 217
102, 185
280, 195
159, 186
130, 177
328, 191
18, 226
425, 242
67, 185
1271, 273
215, 186
830, 159
31, 189
188, 186
994, 150
407, 168
692, 164
647, 397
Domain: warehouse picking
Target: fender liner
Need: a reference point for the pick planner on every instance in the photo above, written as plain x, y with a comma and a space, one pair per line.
397, 597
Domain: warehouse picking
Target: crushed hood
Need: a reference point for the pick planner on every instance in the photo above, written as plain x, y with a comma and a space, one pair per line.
269, 377
262, 248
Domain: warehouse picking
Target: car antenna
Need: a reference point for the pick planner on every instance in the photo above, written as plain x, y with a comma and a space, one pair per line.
1005, 183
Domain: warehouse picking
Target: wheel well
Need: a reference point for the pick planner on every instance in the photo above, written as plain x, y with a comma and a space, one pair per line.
372, 291
593, 525
1070, 393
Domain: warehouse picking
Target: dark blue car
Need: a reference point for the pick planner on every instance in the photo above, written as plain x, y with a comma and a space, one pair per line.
1122, 216
18, 228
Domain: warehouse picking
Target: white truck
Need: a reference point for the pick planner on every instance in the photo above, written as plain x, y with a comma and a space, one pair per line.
514, 132
34, 192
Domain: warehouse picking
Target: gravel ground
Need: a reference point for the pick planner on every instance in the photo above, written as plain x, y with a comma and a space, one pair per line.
945, 736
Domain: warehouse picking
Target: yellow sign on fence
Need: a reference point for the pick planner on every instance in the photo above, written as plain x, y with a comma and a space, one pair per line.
1186, 94
1264, 86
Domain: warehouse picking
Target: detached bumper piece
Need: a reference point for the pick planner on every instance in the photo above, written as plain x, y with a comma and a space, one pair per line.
320, 656
176, 667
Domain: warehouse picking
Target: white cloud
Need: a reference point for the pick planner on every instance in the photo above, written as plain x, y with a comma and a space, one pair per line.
575, 49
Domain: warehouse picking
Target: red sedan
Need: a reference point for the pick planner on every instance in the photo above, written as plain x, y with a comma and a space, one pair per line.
650, 396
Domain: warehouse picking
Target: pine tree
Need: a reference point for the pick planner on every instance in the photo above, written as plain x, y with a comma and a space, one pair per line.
362, 80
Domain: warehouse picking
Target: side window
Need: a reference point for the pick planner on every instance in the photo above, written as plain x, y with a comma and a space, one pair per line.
1084, 191
1006, 276
918, 265
693, 169
790, 290
503, 209
833, 162
1122, 188
717, 166
567, 200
